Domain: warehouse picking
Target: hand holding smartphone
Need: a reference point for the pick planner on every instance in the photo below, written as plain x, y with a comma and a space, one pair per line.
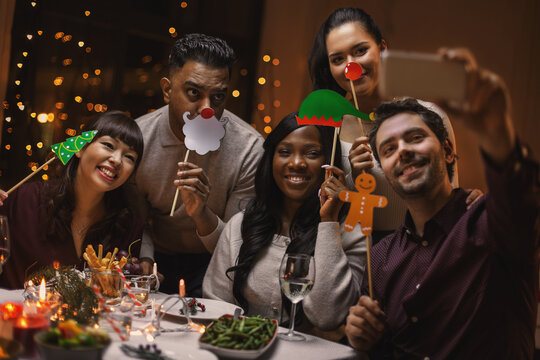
421, 76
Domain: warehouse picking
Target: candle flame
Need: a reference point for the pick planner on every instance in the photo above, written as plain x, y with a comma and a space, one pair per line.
30, 283
23, 322
182, 288
42, 290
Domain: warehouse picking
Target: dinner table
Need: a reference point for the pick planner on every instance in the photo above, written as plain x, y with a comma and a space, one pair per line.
176, 343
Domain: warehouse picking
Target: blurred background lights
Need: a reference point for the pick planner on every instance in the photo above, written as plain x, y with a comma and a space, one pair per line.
268, 129
262, 80
236, 93
87, 13
266, 58
78, 99
267, 119
39, 145
42, 118
50, 117
183, 4
275, 62
260, 107
277, 83
58, 81
97, 72
80, 43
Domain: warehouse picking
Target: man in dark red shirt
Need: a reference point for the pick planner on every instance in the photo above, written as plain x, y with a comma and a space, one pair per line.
452, 282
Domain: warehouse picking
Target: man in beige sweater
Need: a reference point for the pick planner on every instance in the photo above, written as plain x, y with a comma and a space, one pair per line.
213, 186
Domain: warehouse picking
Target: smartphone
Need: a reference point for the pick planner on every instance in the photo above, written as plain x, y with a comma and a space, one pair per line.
421, 76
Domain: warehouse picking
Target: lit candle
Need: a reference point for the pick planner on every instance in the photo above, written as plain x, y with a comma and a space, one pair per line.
182, 288
10, 310
24, 330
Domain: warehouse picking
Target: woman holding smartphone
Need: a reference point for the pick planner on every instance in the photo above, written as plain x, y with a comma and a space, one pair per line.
351, 35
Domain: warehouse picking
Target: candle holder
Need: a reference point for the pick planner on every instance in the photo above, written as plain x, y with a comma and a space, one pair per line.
24, 329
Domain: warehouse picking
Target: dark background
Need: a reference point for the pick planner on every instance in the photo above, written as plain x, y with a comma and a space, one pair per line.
129, 43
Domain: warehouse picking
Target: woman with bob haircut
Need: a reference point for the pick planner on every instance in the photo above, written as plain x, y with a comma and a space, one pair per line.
54, 221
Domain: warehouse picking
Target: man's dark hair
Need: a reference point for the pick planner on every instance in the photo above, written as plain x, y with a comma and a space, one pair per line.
203, 49
430, 118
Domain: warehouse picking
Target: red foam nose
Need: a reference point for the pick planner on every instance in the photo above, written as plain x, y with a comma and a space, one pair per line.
207, 113
353, 71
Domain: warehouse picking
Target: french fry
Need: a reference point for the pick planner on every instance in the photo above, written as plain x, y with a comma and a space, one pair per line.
112, 257
122, 262
100, 252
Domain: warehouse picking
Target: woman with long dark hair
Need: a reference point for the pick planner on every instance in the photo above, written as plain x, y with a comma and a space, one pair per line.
288, 215
55, 220
351, 35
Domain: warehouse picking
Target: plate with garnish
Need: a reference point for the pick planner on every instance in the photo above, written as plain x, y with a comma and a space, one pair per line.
201, 309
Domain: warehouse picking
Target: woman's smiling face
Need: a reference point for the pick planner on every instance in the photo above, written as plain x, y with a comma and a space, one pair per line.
351, 43
297, 164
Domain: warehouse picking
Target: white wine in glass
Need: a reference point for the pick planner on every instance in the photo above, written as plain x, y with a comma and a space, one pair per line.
296, 276
5, 246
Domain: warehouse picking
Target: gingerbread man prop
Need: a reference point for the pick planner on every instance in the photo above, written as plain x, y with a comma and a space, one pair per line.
362, 203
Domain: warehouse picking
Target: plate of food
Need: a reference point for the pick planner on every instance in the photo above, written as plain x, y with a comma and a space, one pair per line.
242, 338
201, 309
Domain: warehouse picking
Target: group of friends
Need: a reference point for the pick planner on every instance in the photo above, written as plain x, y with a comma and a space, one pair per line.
454, 272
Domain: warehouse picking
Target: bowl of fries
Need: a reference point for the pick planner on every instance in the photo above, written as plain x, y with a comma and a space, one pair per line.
104, 271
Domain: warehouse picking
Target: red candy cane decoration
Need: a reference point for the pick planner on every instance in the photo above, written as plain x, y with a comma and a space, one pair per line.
137, 302
107, 315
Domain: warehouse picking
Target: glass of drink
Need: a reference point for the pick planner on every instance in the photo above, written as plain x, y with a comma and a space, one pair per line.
296, 276
139, 287
5, 244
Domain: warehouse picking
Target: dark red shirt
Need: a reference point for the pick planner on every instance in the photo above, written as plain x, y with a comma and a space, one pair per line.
468, 288
30, 249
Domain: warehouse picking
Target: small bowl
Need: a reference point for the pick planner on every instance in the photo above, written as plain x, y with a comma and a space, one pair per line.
12, 348
55, 352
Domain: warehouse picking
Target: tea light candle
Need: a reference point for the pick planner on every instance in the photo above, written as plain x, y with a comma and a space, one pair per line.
182, 288
25, 328
11, 310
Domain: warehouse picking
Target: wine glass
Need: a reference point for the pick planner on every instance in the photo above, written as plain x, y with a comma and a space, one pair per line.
4, 241
296, 276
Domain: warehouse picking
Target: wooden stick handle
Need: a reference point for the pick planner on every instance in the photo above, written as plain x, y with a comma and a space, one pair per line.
177, 191
32, 174
368, 243
356, 105
334, 147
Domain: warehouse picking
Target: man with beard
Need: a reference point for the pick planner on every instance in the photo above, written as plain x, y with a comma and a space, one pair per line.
213, 186
453, 283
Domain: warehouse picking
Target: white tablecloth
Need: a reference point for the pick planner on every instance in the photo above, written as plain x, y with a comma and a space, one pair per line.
184, 345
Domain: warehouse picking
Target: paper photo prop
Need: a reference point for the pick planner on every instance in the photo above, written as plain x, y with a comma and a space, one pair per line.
204, 132
362, 204
326, 107
65, 150
353, 71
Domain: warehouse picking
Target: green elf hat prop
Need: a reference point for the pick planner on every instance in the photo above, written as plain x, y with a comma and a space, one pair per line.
65, 150
326, 107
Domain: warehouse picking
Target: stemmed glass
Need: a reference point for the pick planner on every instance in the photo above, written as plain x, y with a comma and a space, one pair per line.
296, 276
5, 246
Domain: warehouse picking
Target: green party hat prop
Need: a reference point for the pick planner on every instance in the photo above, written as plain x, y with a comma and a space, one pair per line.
65, 150
326, 107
